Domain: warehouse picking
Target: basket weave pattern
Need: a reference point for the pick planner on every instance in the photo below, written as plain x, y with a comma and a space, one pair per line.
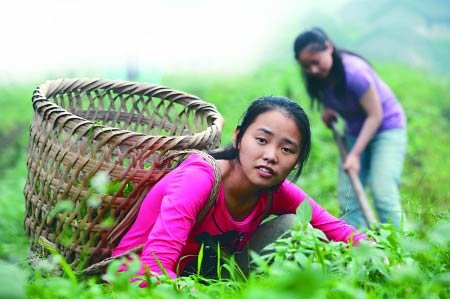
85, 126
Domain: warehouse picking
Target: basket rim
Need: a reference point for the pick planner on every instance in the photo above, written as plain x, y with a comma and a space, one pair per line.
42, 105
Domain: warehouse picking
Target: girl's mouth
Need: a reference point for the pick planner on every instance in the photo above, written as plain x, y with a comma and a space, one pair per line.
265, 171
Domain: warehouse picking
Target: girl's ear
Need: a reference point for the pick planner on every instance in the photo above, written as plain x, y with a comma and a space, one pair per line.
329, 46
235, 134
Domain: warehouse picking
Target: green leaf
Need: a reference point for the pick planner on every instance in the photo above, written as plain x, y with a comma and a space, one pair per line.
200, 258
107, 222
304, 213
218, 267
61, 206
100, 182
259, 261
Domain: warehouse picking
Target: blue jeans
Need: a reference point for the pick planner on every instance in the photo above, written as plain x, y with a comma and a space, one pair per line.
381, 168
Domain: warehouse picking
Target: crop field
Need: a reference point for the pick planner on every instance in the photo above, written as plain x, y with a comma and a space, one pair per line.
413, 262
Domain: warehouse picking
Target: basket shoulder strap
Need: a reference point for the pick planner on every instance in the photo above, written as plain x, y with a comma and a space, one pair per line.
215, 189
217, 179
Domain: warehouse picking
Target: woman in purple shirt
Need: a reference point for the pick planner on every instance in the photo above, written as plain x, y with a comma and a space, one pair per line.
272, 140
345, 84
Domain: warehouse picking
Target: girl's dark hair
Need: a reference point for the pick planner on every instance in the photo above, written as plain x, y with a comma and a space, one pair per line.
265, 104
315, 40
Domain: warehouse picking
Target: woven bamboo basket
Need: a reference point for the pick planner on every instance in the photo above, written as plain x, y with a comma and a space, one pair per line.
84, 127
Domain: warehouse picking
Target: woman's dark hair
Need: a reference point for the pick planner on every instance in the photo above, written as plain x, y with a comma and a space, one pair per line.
315, 39
265, 104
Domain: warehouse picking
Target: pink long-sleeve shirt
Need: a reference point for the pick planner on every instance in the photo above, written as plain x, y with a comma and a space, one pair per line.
166, 222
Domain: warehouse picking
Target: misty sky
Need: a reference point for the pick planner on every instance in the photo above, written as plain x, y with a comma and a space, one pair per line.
50, 36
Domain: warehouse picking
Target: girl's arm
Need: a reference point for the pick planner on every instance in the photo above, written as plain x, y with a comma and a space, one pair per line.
289, 196
372, 106
186, 191
334, 228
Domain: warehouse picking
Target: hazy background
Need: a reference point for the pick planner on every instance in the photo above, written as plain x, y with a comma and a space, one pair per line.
143, 40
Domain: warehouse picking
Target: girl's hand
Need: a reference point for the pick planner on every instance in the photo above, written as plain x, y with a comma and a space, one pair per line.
352, 163
328, 116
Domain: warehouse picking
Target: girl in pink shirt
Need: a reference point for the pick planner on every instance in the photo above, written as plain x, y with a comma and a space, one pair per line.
273, 139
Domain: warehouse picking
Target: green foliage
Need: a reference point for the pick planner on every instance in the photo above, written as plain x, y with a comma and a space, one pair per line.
427, 105
15, 101
13, 281
413, 263
399, 265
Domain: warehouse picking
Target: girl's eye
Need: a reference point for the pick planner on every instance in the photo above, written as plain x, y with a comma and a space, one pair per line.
261, 140
305, 66
309, 64
287, 150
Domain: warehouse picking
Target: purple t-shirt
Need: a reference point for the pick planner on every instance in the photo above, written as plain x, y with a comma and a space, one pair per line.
360, 76
166, 227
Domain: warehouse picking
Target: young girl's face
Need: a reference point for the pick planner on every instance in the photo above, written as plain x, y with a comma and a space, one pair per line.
316, 63
269, 148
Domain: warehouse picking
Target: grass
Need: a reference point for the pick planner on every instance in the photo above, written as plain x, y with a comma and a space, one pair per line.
413, 263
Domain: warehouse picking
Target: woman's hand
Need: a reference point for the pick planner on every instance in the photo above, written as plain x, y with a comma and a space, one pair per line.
328, 116
352, 163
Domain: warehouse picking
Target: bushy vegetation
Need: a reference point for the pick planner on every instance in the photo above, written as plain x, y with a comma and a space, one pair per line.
411, 263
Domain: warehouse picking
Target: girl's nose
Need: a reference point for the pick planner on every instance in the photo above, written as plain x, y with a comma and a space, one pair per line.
270, 154
314, 70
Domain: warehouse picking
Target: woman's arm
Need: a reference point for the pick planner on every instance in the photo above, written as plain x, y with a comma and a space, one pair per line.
328, 116
372, 106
